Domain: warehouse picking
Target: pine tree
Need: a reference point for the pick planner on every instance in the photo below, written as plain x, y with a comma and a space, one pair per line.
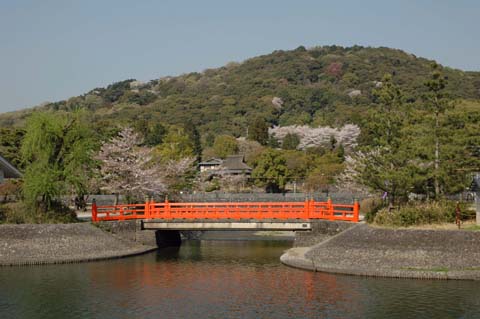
437, 103
385, 163
258, 131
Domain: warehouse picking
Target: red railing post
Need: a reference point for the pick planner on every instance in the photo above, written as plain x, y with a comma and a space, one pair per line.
146, 210
330, 209
94, 211
306, 209
356, 211
311, 208
168, 212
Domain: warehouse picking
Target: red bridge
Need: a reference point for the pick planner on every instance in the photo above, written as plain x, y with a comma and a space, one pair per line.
254, 211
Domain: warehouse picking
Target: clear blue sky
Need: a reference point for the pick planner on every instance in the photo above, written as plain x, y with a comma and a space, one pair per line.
53, 49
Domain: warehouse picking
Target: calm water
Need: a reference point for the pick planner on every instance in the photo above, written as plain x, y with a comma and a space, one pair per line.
222, 279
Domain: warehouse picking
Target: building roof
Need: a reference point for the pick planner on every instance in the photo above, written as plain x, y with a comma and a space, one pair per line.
235, 163
8, 169
212, 161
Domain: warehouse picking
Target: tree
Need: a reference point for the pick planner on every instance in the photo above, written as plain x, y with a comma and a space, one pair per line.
290, 141
127, 168
10, 143
258, 131
225, 145
385, 163
176, 145
57, 151
437, 102
270, 171
191, 130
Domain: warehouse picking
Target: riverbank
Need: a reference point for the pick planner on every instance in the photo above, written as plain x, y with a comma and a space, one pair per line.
401, 253
34, 244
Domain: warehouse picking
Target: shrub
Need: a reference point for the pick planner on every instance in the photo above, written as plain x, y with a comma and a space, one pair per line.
369, 207
420, 214
20, 213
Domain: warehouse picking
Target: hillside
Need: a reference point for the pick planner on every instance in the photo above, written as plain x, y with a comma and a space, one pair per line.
319, 86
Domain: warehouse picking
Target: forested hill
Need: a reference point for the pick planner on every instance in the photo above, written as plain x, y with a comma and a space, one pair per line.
328, 85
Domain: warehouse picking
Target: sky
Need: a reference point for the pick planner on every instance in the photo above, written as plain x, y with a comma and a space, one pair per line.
55, 49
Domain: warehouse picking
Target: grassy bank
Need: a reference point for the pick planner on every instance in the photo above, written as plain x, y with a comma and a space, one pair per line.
418, 213
20, 213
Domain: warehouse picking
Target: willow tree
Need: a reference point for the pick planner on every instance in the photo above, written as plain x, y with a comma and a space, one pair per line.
57, 152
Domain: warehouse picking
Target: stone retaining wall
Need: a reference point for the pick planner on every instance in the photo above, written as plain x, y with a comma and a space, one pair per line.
321, 230
402, 253
62, 243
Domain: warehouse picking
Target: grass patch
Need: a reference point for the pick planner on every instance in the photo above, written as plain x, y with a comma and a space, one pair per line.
472, 227
421, 213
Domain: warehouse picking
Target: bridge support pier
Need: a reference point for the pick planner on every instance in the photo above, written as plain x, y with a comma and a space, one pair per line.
132, 230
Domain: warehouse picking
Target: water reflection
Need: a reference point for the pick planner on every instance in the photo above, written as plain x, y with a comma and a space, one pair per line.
222, 279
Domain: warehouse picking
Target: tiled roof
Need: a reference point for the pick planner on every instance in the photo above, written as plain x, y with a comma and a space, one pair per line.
235, 162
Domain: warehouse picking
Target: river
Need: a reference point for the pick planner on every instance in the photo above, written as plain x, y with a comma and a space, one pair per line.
222, 279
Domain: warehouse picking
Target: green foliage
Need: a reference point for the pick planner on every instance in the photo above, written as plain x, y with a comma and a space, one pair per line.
436, 103
324, 172
270, 171
416, 213
57, 151
258, 131
386, 161
225, 145
290, 141
309, 86
194, 135
311, 83
369, 207
176, 145
20, 213
10, 143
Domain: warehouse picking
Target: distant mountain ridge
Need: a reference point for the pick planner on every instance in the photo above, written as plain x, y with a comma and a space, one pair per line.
329, 85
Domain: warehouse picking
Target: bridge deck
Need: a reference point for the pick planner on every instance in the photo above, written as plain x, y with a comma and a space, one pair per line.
207, 224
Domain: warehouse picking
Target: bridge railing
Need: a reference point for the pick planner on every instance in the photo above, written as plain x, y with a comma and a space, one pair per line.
309, 209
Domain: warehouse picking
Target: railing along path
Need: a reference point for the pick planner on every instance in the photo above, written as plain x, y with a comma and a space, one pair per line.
308, 209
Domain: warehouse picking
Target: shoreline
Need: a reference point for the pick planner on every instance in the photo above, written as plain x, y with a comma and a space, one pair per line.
402, 253
43, 244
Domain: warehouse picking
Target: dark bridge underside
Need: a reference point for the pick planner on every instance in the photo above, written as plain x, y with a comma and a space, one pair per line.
227, 224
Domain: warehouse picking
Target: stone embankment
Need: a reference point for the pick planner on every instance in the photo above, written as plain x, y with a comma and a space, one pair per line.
63, 243
401, 253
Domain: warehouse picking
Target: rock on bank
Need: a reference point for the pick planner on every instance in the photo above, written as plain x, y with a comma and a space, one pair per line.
62, 243
401, 253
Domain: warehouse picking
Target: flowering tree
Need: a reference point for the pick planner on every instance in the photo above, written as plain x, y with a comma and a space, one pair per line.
126, 168
319, 136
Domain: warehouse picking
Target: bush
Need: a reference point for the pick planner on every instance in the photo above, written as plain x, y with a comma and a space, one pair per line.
369, 207
420, 214
20, 213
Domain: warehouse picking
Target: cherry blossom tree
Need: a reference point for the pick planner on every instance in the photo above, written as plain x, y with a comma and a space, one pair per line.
127, 168
319, 136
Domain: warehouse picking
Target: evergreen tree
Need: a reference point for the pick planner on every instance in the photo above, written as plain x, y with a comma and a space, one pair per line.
436, 103
384, 164
270, 171
290, 141
192, 132
258, 131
